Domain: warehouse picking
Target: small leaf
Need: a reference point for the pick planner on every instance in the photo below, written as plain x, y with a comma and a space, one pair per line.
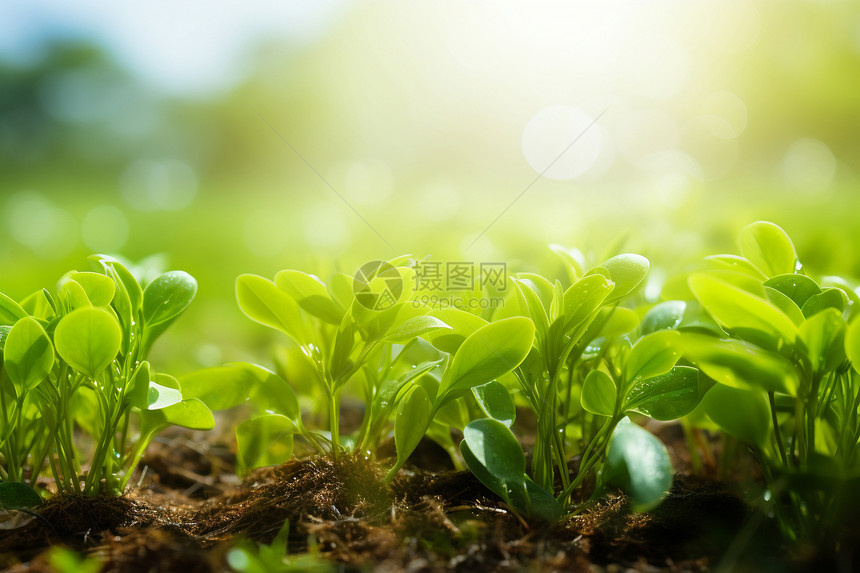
785, 304
191, 413
736, 309
462, 324
598, 393
414, 327
219, 388
98, 287
271, 391
796, 287
583, 298
827, 298
627, 272
769, 248
489, 352
496, 402
17, 495
668, 396
161, 396
88, 339
167, 296
263, 302
10, 311
639, 465
311, 295
739, 364
264, 441
496, 448
823, 336
28, 355
744, 414
652, 355
412, 421
664, 316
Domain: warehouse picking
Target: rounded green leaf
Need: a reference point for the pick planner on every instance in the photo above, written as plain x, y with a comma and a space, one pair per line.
664, 316
827, 298
745, 414
823, 336
28, 354
735, 308
489, 352
272, 392
167, 296
191, 413
10, 311
265, 440
496, 402
311, 295
583, 298
653, 355
769, 248
219, 388
17, 495
160, 397
412, 421
598, 393
496, 448
668, 396
796, 287
638, 463
462, 324
627, 271
98, 287
88, 339
262, 301
414, 327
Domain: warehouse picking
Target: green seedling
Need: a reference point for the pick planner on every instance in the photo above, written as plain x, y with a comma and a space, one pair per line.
78, 359
247, 557
784, 350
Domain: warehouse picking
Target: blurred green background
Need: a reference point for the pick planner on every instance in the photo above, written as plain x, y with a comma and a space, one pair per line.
256, 136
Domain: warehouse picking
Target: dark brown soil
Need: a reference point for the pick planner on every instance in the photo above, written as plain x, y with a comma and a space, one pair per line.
189, 510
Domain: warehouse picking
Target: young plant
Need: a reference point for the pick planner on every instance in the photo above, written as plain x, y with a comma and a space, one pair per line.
79, 359
784, 351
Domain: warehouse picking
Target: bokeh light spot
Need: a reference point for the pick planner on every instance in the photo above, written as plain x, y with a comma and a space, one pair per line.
158, 185
809, 165
550, 131
36, 222
104, 229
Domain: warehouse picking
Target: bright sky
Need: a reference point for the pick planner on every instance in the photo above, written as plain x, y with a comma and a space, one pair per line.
180, 46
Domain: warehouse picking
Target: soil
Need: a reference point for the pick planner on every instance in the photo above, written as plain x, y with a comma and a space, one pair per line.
189, 509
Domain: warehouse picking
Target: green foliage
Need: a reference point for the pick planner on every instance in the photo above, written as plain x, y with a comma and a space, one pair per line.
79, 359
639, 464
247, 557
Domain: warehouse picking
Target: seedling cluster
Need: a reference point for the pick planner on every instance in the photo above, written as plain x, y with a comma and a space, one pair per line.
749, 345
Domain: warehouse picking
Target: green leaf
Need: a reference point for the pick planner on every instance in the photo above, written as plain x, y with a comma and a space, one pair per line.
190, 413
769, 248
461, 324
160, 397
619, 321
639, 465
668, 396
737, 309
744, 414
652, 355
489, 352
88, 339
99, 288
737, 264
28, 355
740, 364
262, 301
339, 287
598, 393
73, 295
796, 287
496, 402
412, 421
10, 312
627, 272
823, 335
785, 304
583, 298
496, 448
137, 394
852, 343
414, 327
311, 295
572, 259
827, 298
17, 495
272, 392
542, 505
219, 388
167, 296
40, 305
664, 316
264, 441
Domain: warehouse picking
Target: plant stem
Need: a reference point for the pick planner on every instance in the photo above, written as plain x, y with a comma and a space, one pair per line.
776, 432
